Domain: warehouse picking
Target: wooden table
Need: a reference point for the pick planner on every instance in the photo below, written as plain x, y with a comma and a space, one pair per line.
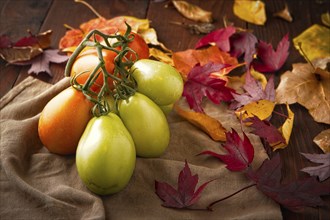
40, 15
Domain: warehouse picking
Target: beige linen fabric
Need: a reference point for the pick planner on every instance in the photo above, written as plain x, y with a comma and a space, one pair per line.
36, 184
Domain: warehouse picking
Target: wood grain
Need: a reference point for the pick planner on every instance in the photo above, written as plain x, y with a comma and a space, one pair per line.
39, 15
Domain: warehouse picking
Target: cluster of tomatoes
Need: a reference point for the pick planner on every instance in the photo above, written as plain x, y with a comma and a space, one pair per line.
106, 145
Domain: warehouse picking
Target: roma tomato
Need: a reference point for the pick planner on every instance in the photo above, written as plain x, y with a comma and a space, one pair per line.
87, 61
139, 46
161, 82
105, 157
63, 120
147, 124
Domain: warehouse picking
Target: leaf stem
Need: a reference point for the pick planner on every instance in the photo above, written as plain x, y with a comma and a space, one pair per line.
209, 207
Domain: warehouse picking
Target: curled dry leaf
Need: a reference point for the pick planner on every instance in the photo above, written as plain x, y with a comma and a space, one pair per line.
326, 19
323, 140
203, 28
308, 88
250, 11
161, 56
193, 12
209, 125
313, 42
284, 14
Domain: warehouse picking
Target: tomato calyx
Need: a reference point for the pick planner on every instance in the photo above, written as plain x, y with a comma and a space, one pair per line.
123, 86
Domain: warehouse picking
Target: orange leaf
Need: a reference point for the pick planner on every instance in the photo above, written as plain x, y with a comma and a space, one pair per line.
184, 61
209, 125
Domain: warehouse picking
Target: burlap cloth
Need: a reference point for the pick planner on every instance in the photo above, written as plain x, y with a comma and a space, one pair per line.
36, 184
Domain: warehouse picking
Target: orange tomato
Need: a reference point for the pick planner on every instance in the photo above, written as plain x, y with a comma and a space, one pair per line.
87, 61
63, 121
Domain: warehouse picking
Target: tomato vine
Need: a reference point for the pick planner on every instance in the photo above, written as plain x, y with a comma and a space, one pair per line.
124, 84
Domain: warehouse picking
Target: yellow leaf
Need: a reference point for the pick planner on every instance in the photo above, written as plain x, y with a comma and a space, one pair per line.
160, 55
262, 109
250, 11
313, 42
150, 37
285, 130
209, 125
193, 12
323, 141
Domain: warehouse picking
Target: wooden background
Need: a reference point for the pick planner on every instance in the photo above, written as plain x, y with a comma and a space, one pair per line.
40, 15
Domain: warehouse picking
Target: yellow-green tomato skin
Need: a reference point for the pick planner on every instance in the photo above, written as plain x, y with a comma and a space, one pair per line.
166, 108
105, 156
146, 123
161, 82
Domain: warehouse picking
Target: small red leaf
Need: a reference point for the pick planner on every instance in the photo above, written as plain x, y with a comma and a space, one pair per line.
293, 195
243, 43
240, 152
266, 130
220, 37
200, 83
270, 60
185, 195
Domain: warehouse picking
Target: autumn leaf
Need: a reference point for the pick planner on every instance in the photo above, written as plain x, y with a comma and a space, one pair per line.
161, 56
293, 195
313, 42
199, 84
325, 17
265, 129
263, 109
251, 11
41, 63
254, 91
284, 14
218, 37
184, 61
308, 88
25, 48
321, 171
285, 130
185, 195
209, 125
269, 60
193, 12
240, 152
243, 42
323, 140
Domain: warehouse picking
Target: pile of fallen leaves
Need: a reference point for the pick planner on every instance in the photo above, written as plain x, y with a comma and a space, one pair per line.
206, 70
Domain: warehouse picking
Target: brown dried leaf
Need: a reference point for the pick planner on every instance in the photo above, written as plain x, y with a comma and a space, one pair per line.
284, 14
209, 125
193, 12
308, 88
17, 54
325, 17
323, 141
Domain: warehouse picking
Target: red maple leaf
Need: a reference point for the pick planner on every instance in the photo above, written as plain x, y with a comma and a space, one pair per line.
220, 37
266, 130
321, 171
243, 43
270, 60
200, 83
240, 152
253, 92
293, 195
185, 195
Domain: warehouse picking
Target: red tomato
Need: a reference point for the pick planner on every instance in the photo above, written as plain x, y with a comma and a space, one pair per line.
63, 121
139, 46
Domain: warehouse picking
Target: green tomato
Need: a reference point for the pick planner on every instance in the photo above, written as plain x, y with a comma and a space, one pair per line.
147, 124
161, 82
166, 108
105, 156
